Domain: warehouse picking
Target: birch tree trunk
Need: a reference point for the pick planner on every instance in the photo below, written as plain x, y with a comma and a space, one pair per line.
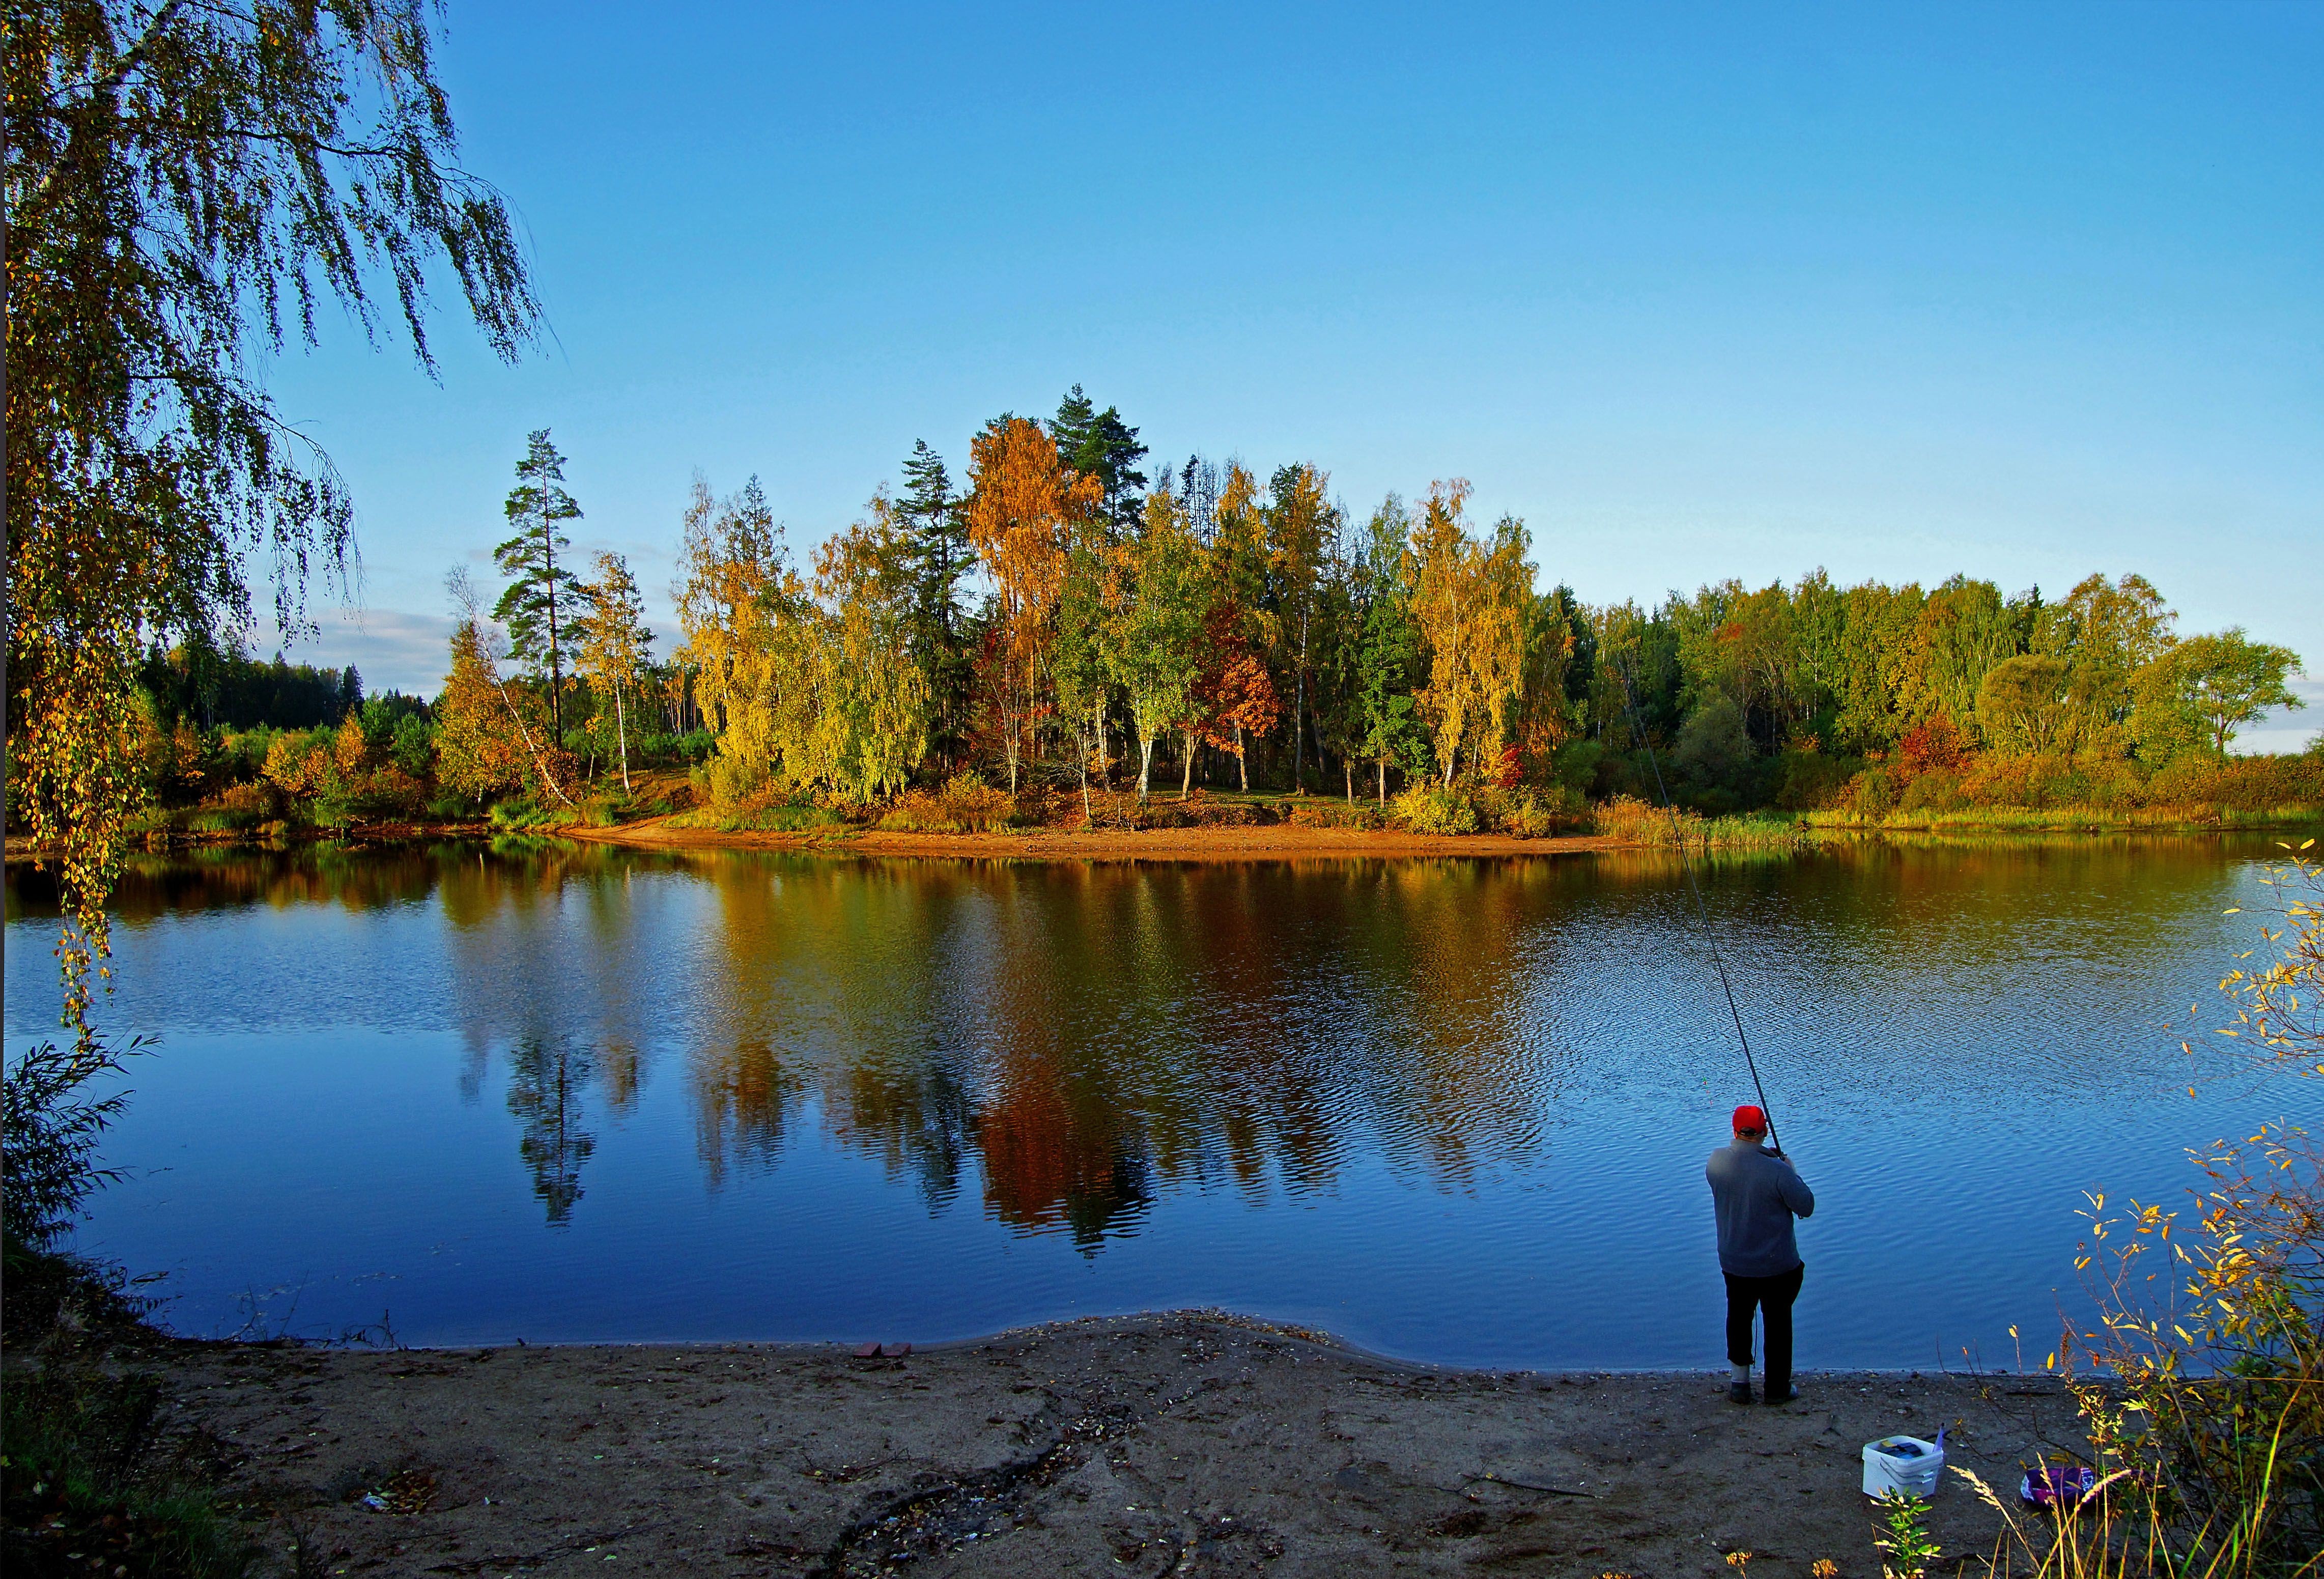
621, 733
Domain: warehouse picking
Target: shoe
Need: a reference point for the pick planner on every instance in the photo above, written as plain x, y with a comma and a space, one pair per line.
1789, 1395
1739, 1392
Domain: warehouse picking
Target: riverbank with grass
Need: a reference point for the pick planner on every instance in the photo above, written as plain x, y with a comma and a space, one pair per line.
1192, 1443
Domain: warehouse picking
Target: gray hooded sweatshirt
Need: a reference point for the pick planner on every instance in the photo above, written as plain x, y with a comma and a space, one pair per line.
1756, 1194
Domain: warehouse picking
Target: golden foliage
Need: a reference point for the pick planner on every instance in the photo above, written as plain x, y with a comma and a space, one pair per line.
1022, 506
1470, 598
477, 755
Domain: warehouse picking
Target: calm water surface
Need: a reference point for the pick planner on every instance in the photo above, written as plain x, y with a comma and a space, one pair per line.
1455, 1111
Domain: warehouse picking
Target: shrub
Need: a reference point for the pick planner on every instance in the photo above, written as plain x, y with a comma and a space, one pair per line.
1634, 821
238, 808
1430, 808
1318, 813
731, 784
51, 1124
1939, 789
965, 805
88, 1473
1530, 814
917, 811
978, 807
1873, 795
1811, 780
1575, 766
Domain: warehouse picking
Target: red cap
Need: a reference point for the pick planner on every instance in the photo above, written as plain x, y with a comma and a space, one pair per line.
1749, 1117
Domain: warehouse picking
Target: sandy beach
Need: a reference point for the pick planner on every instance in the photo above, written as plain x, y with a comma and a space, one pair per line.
1189, 1444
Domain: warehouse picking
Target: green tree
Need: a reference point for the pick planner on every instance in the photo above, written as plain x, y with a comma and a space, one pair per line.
2023, 704
930, 512
1388, 663
1877, 626
541, 592
182, 180
1962, 630
2225, 682
1154, 624
1301, 522
1077, 664
616, 646
2108, 633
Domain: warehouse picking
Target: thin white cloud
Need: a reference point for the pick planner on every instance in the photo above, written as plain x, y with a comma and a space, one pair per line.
2283, 730
391, 648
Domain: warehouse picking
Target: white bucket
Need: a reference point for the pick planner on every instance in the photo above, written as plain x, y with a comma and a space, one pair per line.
1904, 1464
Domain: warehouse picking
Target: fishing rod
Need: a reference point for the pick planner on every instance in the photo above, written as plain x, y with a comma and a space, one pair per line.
1701, 911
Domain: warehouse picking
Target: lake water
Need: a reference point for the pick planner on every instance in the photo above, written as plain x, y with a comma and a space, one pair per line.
1455, 1110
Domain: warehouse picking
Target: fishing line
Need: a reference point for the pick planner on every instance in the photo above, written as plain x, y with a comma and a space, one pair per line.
1701, 911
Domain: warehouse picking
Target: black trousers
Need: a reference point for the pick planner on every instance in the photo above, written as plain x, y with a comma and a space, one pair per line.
1773, 1296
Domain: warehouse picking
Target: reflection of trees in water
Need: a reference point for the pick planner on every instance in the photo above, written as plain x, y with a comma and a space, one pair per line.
1087, 1037
915, 1113
1096, 1033
546, 1079
743, 1096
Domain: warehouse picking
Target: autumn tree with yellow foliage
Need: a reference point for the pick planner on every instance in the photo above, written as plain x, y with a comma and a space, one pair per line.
1470, 598
182, 181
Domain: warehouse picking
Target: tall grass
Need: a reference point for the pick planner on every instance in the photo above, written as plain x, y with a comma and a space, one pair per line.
1637, 822
764, 819
1976, 819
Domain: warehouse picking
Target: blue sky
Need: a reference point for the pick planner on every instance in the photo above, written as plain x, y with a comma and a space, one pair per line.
1699, 292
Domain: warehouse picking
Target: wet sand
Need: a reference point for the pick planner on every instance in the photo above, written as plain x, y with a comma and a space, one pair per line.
1161, 1445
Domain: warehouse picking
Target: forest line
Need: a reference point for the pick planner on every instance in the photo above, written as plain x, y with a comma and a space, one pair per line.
1059, 624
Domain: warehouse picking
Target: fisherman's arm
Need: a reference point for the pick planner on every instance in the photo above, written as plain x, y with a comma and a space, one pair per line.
1795, 1192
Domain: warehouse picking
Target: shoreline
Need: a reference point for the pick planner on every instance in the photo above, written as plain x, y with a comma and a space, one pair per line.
1266, 842
1189, 1442
1273, 842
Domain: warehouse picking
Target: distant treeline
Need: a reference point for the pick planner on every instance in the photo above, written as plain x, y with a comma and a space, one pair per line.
1062, 621
216, 687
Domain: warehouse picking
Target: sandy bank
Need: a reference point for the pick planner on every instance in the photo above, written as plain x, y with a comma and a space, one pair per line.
1181, 1445
1280, 842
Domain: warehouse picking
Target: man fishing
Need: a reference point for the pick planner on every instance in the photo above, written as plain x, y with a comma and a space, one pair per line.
1756, 1193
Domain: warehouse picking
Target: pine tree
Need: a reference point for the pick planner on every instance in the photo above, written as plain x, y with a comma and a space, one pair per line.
541, 591
940, 555
1071, 425
940, 550
1101, 445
